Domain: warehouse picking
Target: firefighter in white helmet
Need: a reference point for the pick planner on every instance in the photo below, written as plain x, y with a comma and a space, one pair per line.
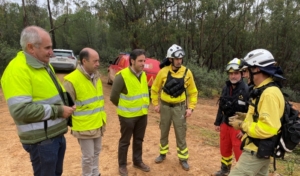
177, 85
262, 121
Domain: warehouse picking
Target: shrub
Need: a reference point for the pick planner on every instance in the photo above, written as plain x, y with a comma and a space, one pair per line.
292, 95
209, 83
6, 54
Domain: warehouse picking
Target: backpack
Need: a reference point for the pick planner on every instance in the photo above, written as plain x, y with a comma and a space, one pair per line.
288, 136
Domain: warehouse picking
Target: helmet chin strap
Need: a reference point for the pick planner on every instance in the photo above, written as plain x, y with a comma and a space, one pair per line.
251, 76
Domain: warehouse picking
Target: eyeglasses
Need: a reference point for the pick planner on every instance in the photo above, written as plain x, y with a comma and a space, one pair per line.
232, 66
178, 54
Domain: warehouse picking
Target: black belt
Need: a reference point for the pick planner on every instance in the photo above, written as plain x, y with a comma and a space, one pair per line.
49, 140
172, 104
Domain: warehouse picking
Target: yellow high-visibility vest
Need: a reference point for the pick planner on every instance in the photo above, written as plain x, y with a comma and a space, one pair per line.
33, 99
89, 113
136, 102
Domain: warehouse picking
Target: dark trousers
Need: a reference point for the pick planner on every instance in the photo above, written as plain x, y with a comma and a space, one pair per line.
47, 156
135, 127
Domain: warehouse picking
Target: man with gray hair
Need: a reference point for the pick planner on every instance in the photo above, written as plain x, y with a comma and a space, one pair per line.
37, 102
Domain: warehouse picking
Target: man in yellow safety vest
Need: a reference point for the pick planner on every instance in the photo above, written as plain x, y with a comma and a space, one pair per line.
89, 118
36, 102
130, 95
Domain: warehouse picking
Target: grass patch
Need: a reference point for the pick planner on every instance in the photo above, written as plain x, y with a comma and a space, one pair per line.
103, 69
290, 165
208, 136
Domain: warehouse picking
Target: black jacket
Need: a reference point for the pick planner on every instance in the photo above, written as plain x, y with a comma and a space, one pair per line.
237, 101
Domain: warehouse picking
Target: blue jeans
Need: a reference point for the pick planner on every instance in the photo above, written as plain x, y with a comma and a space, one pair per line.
47, 156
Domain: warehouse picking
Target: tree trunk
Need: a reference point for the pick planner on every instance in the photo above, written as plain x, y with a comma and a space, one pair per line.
25, 23
52, 31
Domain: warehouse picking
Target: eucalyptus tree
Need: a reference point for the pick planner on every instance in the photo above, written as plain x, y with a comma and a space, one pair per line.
36, 15
25, 23
10, 23
83, 30
283, 35
128, 18
10, 26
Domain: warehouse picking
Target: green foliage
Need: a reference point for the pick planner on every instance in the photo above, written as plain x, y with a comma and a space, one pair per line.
211, 32
292, 95
290, 165
10, 23
208, 136
208, 82
7, 53
108, 55
83, 30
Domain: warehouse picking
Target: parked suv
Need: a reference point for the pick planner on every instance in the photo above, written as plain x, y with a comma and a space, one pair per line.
151, 67
63, 60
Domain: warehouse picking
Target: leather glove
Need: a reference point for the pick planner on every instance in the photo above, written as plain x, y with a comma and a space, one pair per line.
241, 115
232, 118
236, 124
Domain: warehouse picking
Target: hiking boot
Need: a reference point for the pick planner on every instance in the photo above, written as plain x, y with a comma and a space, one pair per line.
123, 171
184, 165
142, 167
220, 173
225, 170
160, 158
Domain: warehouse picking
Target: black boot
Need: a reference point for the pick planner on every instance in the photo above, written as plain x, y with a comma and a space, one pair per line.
160, 158
224, 170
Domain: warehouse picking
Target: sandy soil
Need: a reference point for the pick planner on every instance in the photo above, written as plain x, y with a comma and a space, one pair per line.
204, 159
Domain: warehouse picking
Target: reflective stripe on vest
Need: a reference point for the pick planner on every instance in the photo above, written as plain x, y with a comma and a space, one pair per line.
136, 102
47, 112
89, 113
91, 100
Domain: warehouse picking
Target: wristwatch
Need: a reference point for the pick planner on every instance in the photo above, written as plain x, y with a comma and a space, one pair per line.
191, 109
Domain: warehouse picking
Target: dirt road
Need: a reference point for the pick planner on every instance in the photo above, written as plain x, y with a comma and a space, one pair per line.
204, 159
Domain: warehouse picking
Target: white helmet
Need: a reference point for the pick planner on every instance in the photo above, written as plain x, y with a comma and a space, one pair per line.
175, 51
260, 58
233, 65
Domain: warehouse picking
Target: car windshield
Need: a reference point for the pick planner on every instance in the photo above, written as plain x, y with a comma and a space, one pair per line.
61, 53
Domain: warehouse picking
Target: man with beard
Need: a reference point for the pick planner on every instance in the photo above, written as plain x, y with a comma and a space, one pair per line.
178, 85
89, 118
131, 96
233, 100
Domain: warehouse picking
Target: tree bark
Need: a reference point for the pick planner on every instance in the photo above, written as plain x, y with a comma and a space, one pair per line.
25, 23
52, 32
